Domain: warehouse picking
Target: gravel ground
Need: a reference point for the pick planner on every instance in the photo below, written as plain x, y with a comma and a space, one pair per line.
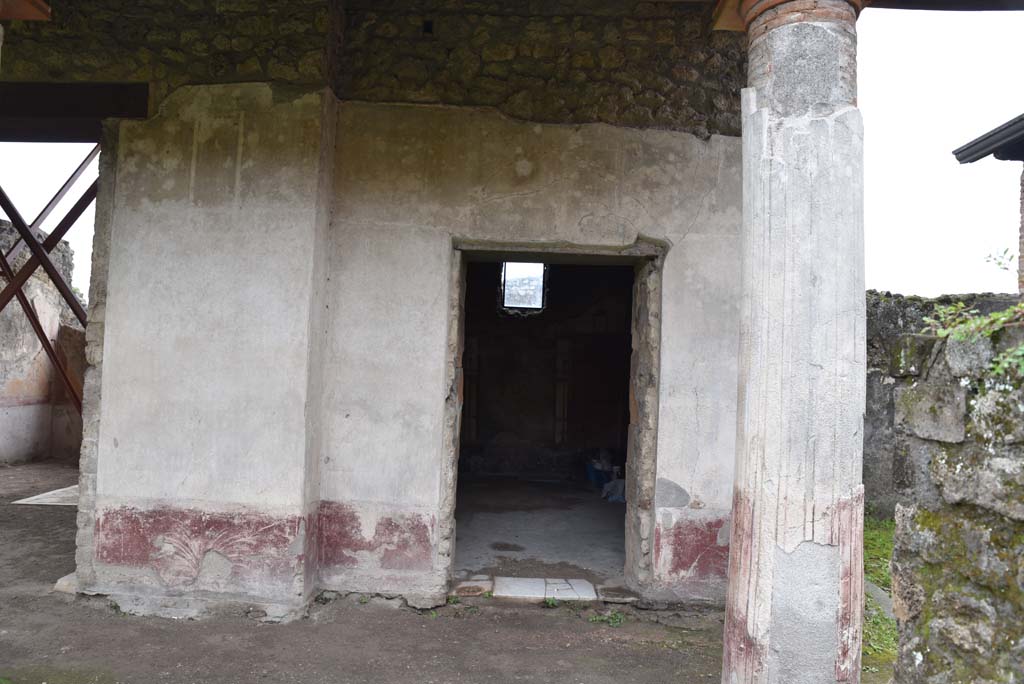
57, 639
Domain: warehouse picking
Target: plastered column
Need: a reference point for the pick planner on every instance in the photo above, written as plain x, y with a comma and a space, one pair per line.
795, 570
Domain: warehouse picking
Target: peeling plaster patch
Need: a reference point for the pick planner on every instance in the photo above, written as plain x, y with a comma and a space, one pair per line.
399, 542
723, 535
670, 495
339, 533
693, 549
805, 602
215, 570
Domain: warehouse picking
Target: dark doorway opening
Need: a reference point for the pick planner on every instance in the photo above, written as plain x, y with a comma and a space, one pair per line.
545, 422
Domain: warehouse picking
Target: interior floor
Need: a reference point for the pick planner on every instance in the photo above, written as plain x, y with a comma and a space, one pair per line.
545, 422
517, 528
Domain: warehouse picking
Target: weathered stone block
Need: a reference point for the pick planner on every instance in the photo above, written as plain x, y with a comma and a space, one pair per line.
500, 52
879, 445
912, 459
975, 476
957, 573
997, 416
909, 355
958, 568
932, 411
969, 358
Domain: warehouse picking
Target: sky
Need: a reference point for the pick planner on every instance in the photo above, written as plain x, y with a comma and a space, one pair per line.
929, 82
32, 173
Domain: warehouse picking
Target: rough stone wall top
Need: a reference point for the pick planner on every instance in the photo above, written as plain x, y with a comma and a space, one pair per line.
892, 315
894, 345
640, 64
171, 42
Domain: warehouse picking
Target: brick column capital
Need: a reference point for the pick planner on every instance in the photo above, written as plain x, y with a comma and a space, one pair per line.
762, 15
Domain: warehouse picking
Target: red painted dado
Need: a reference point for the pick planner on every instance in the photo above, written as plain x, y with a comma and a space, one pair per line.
399, 542
175, 542
692, 549
312, 549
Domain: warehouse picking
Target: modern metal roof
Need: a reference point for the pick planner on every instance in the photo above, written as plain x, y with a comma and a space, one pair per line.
1005, 142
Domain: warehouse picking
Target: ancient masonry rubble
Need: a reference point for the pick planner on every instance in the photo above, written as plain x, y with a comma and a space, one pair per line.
958, 567
640, 64
889, 318
169, 44
647, 65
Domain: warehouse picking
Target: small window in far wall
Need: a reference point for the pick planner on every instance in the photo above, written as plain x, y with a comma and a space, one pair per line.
522, 286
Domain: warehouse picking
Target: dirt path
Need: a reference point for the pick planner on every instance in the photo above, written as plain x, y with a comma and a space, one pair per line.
46, 637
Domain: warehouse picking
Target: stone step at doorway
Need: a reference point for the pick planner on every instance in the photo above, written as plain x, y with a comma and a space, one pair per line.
540, 589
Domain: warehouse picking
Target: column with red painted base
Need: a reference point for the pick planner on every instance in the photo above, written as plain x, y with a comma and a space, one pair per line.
795, 571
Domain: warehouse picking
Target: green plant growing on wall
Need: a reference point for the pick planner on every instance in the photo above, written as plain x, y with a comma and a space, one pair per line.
956, 321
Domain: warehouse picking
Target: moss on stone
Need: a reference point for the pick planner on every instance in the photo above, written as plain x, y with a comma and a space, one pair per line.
968, 599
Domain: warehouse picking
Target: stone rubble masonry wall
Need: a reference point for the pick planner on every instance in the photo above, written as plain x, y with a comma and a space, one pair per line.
172, 43
35, 416
637, 64
958, 567
889, 317
642, 470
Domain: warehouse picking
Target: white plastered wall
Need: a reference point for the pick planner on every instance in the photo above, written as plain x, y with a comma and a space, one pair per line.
411, 180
